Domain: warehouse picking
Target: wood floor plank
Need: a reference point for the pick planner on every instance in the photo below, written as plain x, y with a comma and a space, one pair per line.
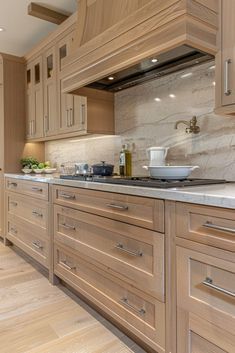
36, 317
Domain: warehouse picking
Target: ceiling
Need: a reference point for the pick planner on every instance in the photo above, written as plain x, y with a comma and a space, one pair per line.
21, 31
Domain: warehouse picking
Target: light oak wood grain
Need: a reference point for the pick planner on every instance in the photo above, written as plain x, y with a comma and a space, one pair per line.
37, 317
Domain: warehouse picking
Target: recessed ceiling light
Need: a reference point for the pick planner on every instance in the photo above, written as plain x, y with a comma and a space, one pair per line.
213, 83
212, 67
154, 60
157, 99
110, 78
172, 95
186, 75
2, 29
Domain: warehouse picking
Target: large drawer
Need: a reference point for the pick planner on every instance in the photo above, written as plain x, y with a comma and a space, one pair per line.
140, 313
209, 225
29, 238
28, 187
206, 287
140, 211
134, 254
28, 209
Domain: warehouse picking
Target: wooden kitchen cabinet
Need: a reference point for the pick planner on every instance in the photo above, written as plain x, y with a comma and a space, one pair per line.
50, 92
225, 60
34, 86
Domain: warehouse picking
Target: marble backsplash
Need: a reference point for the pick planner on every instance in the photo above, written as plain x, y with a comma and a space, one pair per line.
145, 116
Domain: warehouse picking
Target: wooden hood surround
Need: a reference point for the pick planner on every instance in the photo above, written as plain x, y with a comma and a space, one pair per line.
112, 35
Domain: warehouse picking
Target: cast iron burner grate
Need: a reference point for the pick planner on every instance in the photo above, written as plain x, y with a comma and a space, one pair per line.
145, 181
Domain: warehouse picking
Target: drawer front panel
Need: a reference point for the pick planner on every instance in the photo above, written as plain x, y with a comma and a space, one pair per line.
136, 255
134, 308
28, 187
208, 225
140, 211
29, 238
206, 286
28, 209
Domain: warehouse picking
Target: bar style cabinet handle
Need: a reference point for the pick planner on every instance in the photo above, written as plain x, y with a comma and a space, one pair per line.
125, 302
64, 264
67, 226
14, 203
227, 91
37, 245
118, 207
120, 247
69, 197
12, 184
83, 113
208, 282
46, 122
37, 214
35, 188
216, 227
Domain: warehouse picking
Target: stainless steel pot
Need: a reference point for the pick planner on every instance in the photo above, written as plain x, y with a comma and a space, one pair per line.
103, 169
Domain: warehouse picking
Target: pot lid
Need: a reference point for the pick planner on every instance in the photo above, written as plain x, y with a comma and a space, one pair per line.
102, 164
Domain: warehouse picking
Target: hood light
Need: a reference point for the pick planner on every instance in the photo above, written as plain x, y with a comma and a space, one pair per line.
157, 99
110, 78
186, 75
2, 29
154, 60
172, 95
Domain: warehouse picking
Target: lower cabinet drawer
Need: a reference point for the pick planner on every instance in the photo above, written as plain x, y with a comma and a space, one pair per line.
206, 286
134, 254
28, 209
29, 238
140, 313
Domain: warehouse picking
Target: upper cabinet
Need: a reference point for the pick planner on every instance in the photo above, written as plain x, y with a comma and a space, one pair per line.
34, 87
52, 114
225, 60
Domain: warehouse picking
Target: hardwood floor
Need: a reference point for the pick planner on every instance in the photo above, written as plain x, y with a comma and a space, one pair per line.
36, 317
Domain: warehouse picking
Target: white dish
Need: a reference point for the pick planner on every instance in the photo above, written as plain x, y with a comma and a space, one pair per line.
26, 170
170, 172
49, 170
38, 171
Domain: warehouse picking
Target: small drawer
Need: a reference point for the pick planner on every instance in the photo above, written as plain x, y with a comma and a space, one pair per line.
139, 312
29, 238
208, 225
206, 286
140, 211
132, 253
28, 187
28, 209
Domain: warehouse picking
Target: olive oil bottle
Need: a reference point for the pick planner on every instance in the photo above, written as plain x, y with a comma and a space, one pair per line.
125, 167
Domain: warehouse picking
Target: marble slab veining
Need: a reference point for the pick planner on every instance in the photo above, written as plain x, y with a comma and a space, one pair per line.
220, 195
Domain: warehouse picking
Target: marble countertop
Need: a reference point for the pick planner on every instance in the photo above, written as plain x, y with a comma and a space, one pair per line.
220, 195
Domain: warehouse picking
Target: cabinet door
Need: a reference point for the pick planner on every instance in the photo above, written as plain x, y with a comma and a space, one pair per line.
50, 93
228, 52
64, 48
34, 99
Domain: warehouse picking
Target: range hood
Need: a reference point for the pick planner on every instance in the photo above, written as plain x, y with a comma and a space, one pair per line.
121, 41
156, 66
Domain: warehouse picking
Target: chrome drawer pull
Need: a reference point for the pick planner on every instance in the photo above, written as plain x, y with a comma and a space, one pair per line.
227, 91
12, 184
37, 214
208, 282
70, 197
13, 203
216, 227
34, 188
124, 301
37, 245
67, 226
64, 264
120, 247
13, 230
118, 207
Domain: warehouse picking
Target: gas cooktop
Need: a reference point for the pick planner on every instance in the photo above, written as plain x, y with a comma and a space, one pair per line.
144, 181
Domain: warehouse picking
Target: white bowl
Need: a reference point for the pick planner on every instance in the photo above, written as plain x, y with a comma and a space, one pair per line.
38, 171
26, 170
49, 170
170, 172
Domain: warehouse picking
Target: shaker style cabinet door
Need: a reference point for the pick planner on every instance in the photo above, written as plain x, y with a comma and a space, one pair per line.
50, 92
228, 52
34, 99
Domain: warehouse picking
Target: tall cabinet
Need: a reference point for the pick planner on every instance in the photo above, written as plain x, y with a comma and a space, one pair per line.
12, 119
225, 60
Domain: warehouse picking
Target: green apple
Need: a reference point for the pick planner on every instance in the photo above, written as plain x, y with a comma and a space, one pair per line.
47, 164
41, 165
